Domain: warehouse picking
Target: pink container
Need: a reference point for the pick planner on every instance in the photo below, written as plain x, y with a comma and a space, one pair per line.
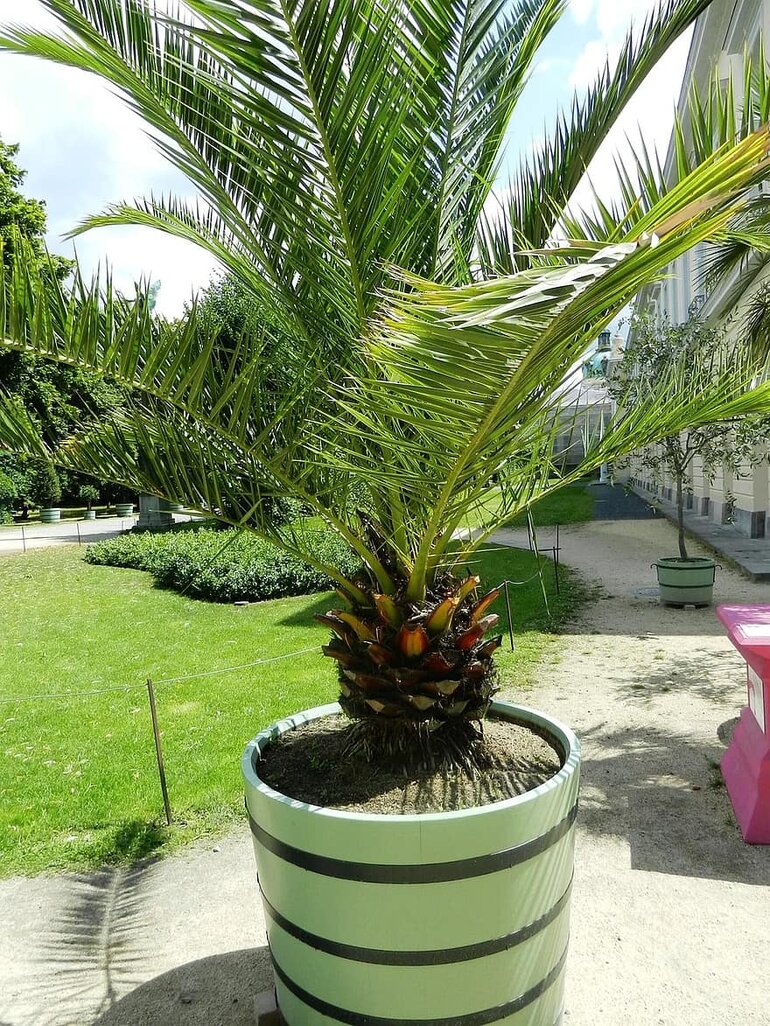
746, 763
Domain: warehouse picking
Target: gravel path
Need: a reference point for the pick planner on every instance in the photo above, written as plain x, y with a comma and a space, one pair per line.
670, 911
670, 907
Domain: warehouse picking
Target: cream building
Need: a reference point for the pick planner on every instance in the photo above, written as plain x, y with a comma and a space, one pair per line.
721, 37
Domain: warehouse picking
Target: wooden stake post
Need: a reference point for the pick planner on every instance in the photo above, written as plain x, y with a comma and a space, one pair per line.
159, 751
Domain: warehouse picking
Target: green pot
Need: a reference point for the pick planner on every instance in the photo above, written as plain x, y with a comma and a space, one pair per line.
441, 917
90, 514
124, 509
685, 582
50, 515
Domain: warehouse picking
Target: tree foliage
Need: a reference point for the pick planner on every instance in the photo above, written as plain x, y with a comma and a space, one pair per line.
58, 398
697, 351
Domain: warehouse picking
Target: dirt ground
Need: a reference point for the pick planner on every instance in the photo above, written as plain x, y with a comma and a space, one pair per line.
670, 911
670, 908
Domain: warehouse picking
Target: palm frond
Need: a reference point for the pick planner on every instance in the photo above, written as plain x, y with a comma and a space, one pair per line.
538, 194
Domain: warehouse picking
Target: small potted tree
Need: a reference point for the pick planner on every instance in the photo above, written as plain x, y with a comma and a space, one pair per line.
89, 493
694, 350
45, 492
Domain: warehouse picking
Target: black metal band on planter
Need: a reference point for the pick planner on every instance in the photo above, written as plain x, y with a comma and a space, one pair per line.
444, 956
435, 872
481, 1018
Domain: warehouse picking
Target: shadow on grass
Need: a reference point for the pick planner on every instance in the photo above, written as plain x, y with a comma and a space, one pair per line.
134, 840
303, 617
663, 792
220, 989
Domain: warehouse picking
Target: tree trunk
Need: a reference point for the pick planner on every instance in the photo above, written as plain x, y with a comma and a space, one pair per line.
680, 514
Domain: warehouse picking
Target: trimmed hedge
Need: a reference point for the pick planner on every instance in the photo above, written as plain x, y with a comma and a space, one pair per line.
223, 566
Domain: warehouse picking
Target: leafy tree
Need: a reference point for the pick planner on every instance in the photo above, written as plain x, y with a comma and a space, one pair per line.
24, 216
89, 494
698, 352
59, 398
8, 494
345, 153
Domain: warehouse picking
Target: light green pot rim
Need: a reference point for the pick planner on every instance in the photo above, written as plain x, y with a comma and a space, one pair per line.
691, 563
562, 734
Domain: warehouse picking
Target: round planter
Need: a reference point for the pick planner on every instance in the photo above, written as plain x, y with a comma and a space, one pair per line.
90, 514
458, 917
50, 515
124, 509
685, 581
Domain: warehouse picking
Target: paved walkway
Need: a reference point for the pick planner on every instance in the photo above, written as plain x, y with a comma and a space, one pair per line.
670, 907
20, 537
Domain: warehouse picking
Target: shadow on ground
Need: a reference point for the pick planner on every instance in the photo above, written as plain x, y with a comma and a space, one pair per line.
216, 991
663, 792
93, 952
711, 675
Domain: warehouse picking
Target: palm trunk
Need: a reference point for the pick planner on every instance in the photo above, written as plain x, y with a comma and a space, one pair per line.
680, 514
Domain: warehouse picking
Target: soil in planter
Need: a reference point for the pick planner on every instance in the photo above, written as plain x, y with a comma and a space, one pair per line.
312, 764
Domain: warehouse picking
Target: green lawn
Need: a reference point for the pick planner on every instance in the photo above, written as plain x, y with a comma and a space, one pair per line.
572, 504
78, 783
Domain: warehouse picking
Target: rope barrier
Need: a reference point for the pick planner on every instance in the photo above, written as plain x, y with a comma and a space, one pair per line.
9, 700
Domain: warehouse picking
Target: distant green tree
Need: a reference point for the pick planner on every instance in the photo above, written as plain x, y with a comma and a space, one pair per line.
59, 398
19, 213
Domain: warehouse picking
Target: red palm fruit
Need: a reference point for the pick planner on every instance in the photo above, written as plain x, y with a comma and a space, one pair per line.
440, 619
481, 607
412, 641
466, 587
489, 647
437, 662
388, 610
362, 629
469, 638
365, 681
343, 656
405, 677
475, 671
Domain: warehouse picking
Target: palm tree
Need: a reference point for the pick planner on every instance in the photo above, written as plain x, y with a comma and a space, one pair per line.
344, 153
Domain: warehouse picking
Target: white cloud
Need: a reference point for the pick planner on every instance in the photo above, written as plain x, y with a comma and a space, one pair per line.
592, 58
581, 10
612, 20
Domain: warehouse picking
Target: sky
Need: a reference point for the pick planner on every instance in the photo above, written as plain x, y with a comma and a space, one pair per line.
83, 148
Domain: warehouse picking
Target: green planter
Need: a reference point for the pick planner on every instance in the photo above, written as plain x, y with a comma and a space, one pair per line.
456, 916
124, 509
685, 582
90, 514
50, 515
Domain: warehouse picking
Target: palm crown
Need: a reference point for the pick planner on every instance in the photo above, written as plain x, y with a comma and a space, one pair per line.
344, 154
